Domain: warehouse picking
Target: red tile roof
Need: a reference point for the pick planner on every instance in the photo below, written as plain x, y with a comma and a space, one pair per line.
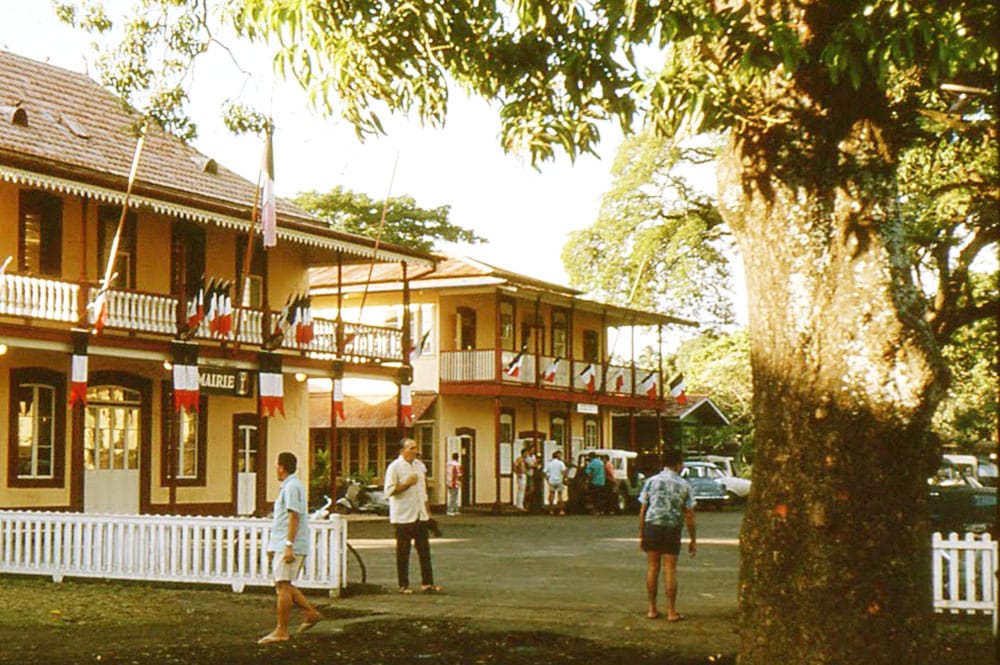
78, 131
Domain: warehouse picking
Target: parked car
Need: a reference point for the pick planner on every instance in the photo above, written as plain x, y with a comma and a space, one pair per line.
960, 503
738, 488
628, 480
706, 482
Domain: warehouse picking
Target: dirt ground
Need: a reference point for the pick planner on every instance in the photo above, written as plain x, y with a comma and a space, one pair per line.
102, 622
517, 591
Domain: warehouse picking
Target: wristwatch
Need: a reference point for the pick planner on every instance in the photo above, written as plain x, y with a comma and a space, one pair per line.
289, 543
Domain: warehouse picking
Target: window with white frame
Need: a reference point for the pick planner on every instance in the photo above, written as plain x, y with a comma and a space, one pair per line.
36, 430
186, 462
590, 438
111, 429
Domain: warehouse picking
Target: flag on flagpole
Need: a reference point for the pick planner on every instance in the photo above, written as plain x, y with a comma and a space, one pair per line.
185, 372
338, 398
212, 306
619, 380
648, 385
550, 372
418, 350
589, 377
405, 405
78, 369
268, 208
678, 388
196, 306
225, 309
272, 385
99, 311
513, 368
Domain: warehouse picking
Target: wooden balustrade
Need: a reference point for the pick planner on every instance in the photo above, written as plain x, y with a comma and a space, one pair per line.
138, 311
37, 298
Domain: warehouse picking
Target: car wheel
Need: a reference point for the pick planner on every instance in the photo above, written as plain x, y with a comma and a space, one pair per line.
734, 498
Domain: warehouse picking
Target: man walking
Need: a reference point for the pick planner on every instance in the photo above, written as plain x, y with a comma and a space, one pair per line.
410, 514
287, 548
453, 480
666, 500
555, 474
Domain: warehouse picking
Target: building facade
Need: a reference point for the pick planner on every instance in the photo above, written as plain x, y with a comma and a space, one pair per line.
191, 286
499, 361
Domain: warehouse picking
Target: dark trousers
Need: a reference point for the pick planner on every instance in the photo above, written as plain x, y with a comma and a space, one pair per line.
417, 533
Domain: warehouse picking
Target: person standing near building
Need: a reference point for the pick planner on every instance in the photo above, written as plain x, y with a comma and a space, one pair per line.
287, 548
520, 478
666, 501
595, 474
410, 515
453, 480
555, 474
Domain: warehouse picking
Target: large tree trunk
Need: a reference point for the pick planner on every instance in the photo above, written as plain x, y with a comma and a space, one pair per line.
835, 549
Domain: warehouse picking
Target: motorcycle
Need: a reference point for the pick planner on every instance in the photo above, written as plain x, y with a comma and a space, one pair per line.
360, 498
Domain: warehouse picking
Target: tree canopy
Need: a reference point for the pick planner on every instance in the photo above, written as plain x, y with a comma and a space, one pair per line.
405, 222
659, 241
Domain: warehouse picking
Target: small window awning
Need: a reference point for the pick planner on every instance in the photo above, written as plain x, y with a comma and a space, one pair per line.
365, 412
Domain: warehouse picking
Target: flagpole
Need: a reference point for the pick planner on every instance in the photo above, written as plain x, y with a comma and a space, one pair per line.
378, 236
112, 255
245, 272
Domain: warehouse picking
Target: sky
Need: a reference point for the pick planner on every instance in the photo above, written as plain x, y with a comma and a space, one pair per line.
525, 213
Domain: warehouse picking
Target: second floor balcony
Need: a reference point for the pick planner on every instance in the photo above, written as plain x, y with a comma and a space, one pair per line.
548, 372
50, 301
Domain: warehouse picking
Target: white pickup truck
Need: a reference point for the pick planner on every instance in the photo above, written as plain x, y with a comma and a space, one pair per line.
737, 487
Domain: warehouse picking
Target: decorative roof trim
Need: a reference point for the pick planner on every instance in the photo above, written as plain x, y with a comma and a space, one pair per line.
103, 194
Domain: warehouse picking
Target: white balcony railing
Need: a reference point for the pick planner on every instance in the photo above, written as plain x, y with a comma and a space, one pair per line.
207, 550
134, 311
37, 298
468, 365
478, 365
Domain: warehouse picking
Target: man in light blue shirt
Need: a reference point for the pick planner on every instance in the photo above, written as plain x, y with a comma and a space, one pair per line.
288, 546
666, 501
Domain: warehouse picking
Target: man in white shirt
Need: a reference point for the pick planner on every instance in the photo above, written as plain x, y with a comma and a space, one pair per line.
555, 474
410, 514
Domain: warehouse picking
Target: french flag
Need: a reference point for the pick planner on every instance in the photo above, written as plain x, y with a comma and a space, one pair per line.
99, 311
78, 369
338, 398
678, 390
550, 372
648, 385
589, 377
186, 387
225, 326
196, 306
272, 385
513, 368
405, 405
619, 380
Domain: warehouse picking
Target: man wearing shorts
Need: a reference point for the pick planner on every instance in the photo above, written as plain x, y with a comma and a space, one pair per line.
666, 500
555, 473
287, 548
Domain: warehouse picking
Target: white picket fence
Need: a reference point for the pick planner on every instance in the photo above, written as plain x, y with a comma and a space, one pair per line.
207, 550
964, 570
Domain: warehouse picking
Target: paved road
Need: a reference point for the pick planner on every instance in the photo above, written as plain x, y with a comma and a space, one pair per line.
578, 574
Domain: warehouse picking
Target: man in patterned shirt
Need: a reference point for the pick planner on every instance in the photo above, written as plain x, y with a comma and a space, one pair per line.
666, 500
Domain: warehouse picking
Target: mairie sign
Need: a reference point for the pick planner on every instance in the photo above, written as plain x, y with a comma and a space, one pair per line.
225, 381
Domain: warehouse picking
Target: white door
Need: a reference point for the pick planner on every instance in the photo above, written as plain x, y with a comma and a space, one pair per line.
246, 468
111, 450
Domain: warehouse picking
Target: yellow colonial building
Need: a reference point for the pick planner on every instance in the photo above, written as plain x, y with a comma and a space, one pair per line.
499, 361
66, 147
